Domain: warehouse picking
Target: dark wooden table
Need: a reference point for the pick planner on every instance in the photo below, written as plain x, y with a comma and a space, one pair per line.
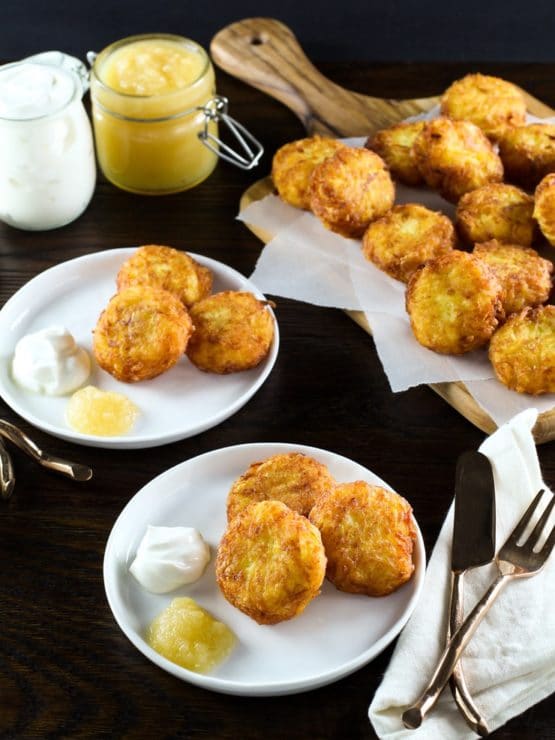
66, 670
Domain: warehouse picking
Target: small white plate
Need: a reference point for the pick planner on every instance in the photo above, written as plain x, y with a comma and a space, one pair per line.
180, 403
336, 634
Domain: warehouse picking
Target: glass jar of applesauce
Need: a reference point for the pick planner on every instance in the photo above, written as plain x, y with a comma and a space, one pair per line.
47, 167
149, 95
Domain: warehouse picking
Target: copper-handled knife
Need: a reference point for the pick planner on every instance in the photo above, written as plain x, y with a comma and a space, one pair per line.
473, 545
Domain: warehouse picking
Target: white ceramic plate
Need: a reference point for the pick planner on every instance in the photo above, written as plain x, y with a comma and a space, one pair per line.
180, 403
335, 635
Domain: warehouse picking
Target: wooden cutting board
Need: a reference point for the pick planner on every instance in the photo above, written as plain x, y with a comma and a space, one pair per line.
265, 53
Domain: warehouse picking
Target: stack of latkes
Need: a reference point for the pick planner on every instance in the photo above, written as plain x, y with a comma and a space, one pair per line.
472, 283
290, 524
163, 309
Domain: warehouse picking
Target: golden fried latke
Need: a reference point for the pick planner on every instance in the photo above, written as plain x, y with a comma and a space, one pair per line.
368, 535
496, 211
455, 157
295, 479
528, 153
141, 333
491, 103
292, 167
406, 238
351, 189
233, 332
169, 269
524, 276
544, 207
394, 145
522, 351
454, 303
270, 562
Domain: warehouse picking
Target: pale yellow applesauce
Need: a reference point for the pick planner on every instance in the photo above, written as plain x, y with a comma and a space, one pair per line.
146, 92
188, 635
101, 413
152, 67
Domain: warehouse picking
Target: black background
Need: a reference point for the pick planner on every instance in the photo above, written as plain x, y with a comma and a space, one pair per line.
344, 30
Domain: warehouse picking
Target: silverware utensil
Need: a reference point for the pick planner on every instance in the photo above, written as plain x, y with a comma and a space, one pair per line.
72, 470
7, 475
513, 561
473, 545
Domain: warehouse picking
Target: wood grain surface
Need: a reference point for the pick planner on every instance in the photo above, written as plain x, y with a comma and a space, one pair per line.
66, 670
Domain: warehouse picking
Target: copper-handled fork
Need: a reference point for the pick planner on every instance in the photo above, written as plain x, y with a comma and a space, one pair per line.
514, 560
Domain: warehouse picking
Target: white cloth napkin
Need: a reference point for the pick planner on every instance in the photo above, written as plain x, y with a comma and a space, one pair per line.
510, 662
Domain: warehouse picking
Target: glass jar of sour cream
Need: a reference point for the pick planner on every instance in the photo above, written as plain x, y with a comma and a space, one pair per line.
148, 94
47, 167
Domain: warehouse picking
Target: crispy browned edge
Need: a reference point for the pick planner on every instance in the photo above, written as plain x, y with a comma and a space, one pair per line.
454, 393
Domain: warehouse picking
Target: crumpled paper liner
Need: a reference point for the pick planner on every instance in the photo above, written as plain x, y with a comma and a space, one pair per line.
306, 262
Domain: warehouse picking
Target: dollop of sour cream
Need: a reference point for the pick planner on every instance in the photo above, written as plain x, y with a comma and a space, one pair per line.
30, 90
169, 557
49, 361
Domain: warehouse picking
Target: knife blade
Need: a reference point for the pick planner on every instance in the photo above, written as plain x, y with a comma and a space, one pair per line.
473, 545
474, 523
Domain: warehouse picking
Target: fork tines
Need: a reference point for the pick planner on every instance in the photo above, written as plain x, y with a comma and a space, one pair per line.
536, 533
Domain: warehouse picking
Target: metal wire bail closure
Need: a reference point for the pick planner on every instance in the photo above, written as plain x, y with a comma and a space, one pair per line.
252, 150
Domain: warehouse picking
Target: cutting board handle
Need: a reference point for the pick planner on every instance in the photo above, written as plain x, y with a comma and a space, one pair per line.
265, 53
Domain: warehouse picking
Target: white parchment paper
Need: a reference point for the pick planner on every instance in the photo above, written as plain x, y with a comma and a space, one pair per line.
306, 262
